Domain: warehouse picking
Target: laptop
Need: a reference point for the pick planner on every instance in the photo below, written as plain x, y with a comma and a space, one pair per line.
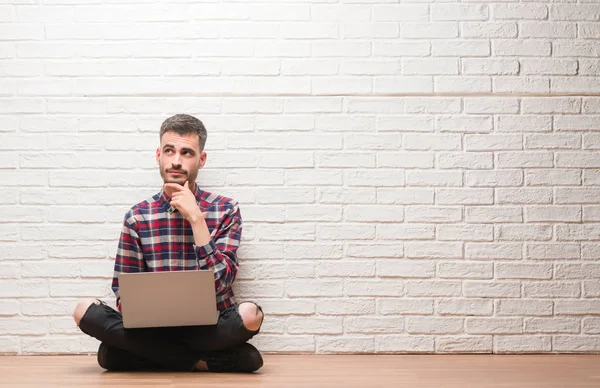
166, 299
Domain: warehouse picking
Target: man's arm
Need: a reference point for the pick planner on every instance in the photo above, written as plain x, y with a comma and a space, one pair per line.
129, 254
219, 253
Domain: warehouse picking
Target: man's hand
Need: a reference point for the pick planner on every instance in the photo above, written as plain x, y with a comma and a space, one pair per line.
184, 200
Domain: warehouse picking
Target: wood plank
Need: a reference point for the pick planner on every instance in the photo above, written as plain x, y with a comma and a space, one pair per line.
315, 371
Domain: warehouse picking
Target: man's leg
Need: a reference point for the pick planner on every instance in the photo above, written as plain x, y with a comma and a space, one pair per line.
104, 323
224, 346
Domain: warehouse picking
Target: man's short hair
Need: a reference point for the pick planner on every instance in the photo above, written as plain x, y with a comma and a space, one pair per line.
183, 124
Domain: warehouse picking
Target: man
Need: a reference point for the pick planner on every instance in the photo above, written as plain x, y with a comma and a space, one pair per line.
180, 228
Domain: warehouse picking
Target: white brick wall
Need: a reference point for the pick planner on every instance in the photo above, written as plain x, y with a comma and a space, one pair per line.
418, 177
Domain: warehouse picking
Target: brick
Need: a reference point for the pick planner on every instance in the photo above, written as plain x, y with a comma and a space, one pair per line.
370, 213
404, 306
490, 66
345, 160
520, 11
471, 48
464, 307
464, 160
317, 325
523, 123
432, 142
553, 213
405, 196
464, 344
523, 271
554, 177
494, 289
287, 232
404, 159
466, 196
524, 307
499, 178
403, 232
552, 289
404, 343
370, 30
552, 325
346, 232
437, 30
298, 250
576, 271
372, 142
465, 232
522, 344
576, 195
549, 67
312, 213
405, 269
400, 13
433, 214
372, 288
457, 270
591, 325
345, 306
524, 196
489, 30
300, 177
343, 196
526, 48
434, 178
347, 344
347, 270
285, 343
433, 250
575, 343
463, 84
368, 325
462, 12
576, 123
403, 84
496, 214
523, 232
521, 84
464, 124
577, 232
379, 177
551, 105
432, 105
380, 250
427, 66
437, 288
394, 49
550, 251
577, 307
494, 325
429, 325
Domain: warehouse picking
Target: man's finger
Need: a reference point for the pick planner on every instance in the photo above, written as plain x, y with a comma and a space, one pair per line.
186, 185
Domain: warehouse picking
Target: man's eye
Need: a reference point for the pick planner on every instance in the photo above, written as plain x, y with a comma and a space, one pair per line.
168, 151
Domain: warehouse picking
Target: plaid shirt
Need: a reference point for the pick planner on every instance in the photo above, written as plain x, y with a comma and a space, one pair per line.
156, 237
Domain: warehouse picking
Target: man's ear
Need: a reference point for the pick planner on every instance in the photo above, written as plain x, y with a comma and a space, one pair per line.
203, 157
157, 154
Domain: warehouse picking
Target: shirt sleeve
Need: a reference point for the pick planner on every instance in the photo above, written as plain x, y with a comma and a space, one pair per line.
129, 254
220, 254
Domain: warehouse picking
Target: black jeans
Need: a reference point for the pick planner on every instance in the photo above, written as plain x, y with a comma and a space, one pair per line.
174, 348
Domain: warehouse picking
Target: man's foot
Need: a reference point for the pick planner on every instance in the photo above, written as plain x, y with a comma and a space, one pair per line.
115, 359
243, 358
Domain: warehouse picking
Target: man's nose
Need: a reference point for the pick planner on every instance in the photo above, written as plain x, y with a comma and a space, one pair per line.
176, 160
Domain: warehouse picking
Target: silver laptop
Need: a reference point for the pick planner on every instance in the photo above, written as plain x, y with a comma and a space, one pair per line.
172, 298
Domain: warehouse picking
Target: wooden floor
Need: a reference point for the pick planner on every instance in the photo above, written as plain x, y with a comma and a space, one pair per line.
423, 371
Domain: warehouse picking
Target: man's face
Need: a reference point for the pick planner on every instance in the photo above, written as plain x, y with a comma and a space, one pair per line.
180, 158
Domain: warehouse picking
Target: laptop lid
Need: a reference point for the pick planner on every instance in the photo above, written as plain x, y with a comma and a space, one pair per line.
164, 299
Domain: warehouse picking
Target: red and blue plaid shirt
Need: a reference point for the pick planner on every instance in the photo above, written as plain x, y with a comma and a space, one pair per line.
156, 237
